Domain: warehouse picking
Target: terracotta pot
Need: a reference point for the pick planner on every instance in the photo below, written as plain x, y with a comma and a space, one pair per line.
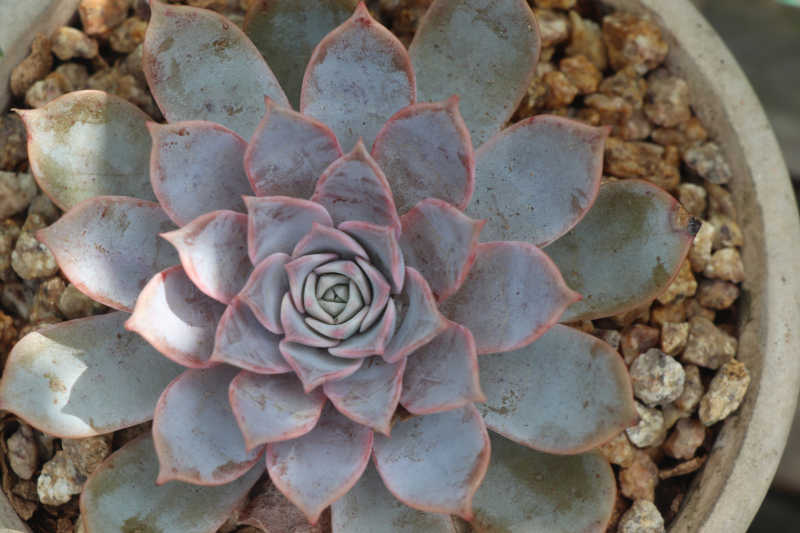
728, 491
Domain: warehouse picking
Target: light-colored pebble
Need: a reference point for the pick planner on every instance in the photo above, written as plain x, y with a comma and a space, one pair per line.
17, 298
34, 67
214, 5
674, 336
48, 89
692, 390
23, 456
59, 480
46, 446
74, 304
45, 208
586, 39
667, 101
71, 42
581, 73
619, 450
633, 42
683, 442
562, 92
657, 378
684, 286
725, 392
690, 131
693, 307
726, 264
717, 294
87, 454
727, 232
16, 192
132, 64
705, 159
640, 160
13, 141
128, 35
637, 339
610, 110
693, 198
30, 258
720, 201
76, 73
50, 291
642, 517
100, 17
672, 312
700, 252
610, 336
626, 84
708, 346
636, 128
639, 314
650, 428
27, 329
638, 481
555, 4
536, 96
672, 414
553, 26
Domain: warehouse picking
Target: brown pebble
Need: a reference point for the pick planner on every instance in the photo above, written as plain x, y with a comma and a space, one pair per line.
74, 304
672, 414
609, 336
17, 299
87, 454
13, 142
642, 517
555, 4
636, 128
717, 294
727, 232
639, 314
48, 89
45, 208
553, 26
672, 312
586, 39
683, 468
693, 308
16, 192
636, 340
686, 132
36, 326
640, 160
619, 450
77, 75
708, 346
626, 84
638, 481
633, 42
23, 456
726, 264
692, 390
128, 35
674, 337
214, 5
693, 198
537, 95
705, 159
562, 92
30, 258
71, 42
725, 393
50, 291
684, 286
581, 73
621, 506
684, 440
100, 17
667, 101
34, 67
720, 200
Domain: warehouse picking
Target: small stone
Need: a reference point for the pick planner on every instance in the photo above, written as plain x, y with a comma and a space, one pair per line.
674, 337
705, 160
672, 312
59, 480
30, 258
74, 304
581, 73
637, 339
633, 42
13, 141
132, 64
728, 233
686, 132
16, 193
638, 481
692, 390
586, 39
126, 87
683, 468
79, 525
70, 42
26, 489
720, 201
76, 74
214, 5
688, 435
128, 35
50, 291
23, 456
639, 314
17, 299
640, 160
700, 252
537, 95
555, 4
619, 451
45, 445
657, 378
34, 67
636, 128
672, 414
625, 84
583, 325
726, 264
7, 334
693, 307
609, 336
100, 17
611, 110
642, 517
708, 346
269, 510
45, 208
562, 92
693, 198
87, 454
684, 286
621, 506
48, 89
667, 101
725, 392
717, 294
229, 526
553, 27
650, 428
588, 116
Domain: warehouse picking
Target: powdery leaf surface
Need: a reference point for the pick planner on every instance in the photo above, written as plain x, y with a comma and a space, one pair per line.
537, 179
566, 393
382, 248
482, 50
315, 366
264, 291
213, 72
89, 143
626, 251
109, 247
176, 318
85, 377
325, 240
122, 495
527, 490
358, 76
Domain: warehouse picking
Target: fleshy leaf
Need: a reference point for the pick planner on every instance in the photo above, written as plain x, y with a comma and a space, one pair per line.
212, 72
439, 241
324, 240
512, 295
277, 223
443, 374
264, 291
297, 331
528, 490
370, 395
85, 377
420, 319
426, 152
86, 144
352, 271
383, 250
369, 507
122, 494
196, 435
109, 247
273, 408
286, 33
289, 152
435, 463
213, 251
626, 251
372, 341
340, 331
380, 292
242, 341
196, 168
354, 188
315, 469
485, 52
566, 393
176, 318
358, 76
537, 179
315, 366
299, 269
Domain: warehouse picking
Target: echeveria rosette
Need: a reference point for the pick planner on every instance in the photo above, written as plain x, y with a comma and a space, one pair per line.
357, 251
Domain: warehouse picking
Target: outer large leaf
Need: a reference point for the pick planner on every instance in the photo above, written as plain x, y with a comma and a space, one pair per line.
435, 463
358, 76
288, 151
197, 167
512, 295
526, 490
200, 66
286, 33
482, 50
86, 144
537, 179
626, 251
368, 507
196, 435
315, 366
426, 152
314, 470
213, 250
109, 247
566, 393
176, 318
273, 408
440, 242
122, 495
85, 377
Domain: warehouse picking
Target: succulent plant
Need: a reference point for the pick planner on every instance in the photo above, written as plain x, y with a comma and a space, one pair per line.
357, 251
